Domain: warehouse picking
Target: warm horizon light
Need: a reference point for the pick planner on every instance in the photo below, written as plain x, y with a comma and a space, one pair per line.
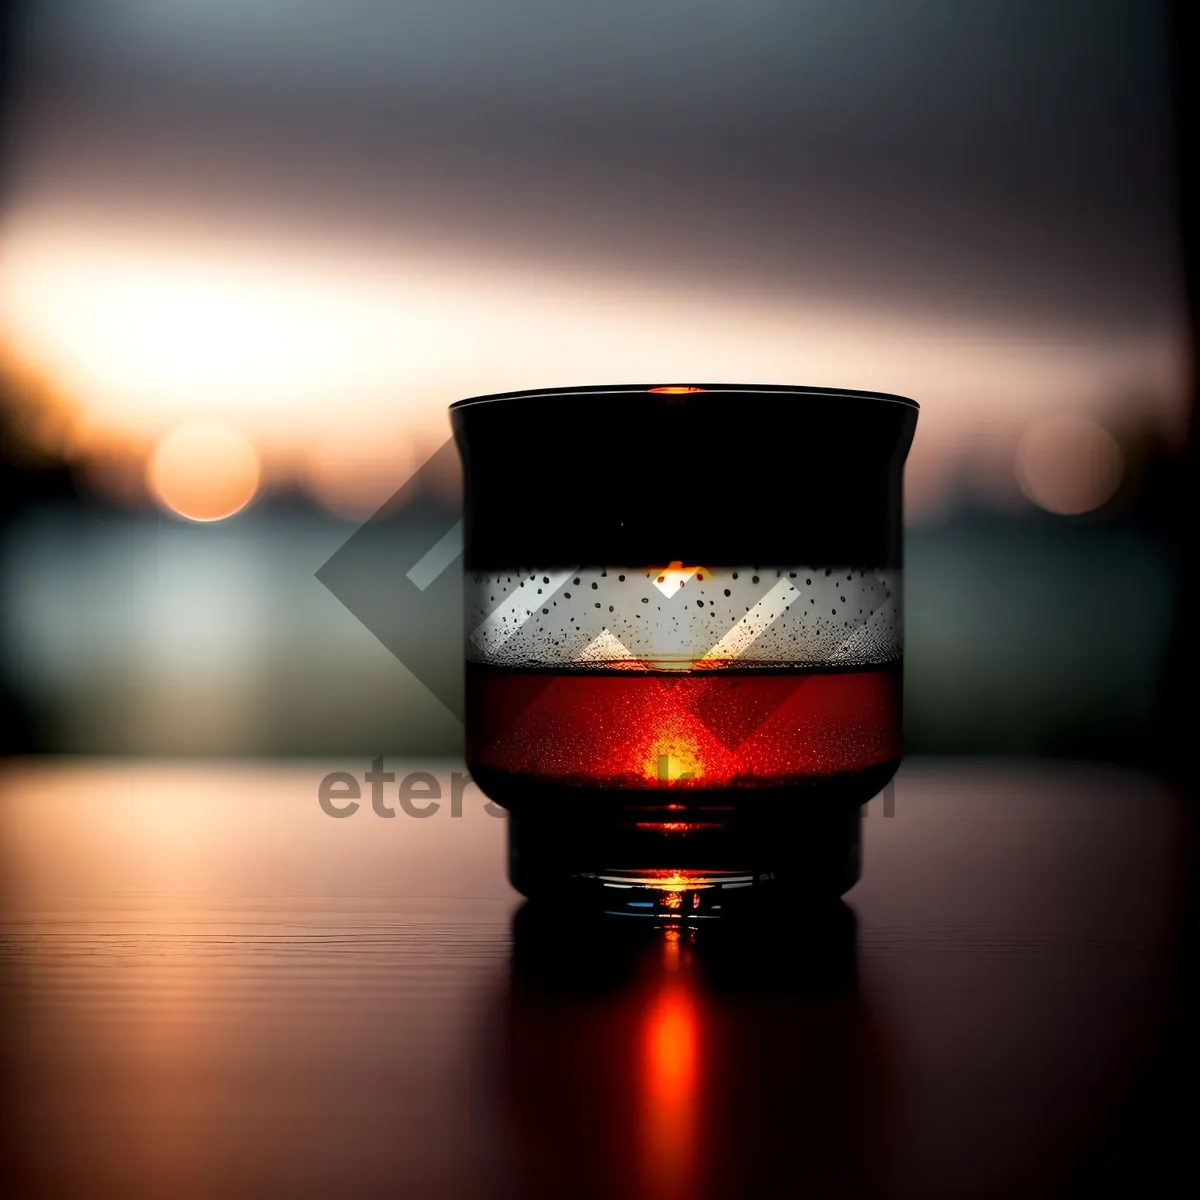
1069, 465
203, 471
334, 358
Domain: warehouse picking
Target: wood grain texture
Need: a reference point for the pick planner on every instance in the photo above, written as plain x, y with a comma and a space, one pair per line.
211, 988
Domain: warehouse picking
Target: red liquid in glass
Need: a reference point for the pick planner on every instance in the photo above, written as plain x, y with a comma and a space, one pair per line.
626, 728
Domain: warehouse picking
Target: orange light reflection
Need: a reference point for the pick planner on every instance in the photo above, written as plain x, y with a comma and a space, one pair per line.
671, 1084
673, 760
675, 826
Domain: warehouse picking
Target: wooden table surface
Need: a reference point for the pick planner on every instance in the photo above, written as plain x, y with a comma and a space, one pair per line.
212, 989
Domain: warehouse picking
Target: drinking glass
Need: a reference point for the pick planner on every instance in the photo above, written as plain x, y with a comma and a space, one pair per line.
684, 636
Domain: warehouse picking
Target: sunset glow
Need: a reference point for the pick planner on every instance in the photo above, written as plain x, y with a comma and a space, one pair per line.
312, 347
203, 471
1068, 465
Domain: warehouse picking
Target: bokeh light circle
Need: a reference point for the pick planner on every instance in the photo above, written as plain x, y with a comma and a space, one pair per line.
203, 471
1069, 465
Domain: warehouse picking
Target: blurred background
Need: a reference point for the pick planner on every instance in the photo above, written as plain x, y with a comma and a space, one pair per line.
249, 252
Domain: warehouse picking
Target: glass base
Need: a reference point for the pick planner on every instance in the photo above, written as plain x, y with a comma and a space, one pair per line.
711, 865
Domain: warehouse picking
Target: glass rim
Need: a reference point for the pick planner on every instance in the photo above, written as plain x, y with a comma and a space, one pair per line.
687, 390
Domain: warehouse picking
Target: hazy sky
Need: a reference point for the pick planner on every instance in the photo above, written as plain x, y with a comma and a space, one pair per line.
1006, 155
303, 216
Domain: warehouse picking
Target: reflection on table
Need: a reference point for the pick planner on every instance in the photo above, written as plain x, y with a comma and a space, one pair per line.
212, 988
